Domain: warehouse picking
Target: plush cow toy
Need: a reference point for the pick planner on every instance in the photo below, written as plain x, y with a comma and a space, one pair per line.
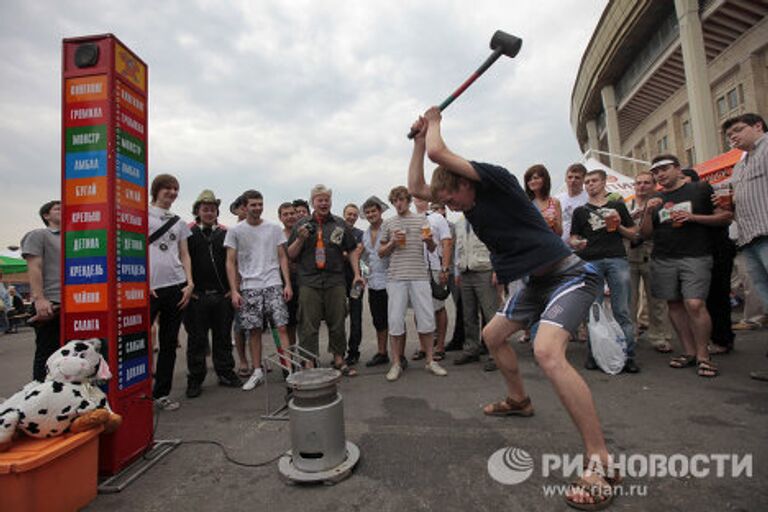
66, 402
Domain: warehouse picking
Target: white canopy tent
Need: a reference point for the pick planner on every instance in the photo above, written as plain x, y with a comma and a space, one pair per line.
616, 182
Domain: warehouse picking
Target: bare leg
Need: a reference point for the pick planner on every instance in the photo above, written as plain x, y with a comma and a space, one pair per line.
240, 347
495, 335
425, 339
381, 340
549, 350
441, 321
682, 324
700, 325
254, 339
398, 348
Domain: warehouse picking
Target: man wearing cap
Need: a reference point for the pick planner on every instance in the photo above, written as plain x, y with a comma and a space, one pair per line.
318, 244
373, 207
170, 281
680, 218
210, 308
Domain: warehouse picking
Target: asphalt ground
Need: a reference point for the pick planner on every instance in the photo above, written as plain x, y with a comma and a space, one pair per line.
425, 443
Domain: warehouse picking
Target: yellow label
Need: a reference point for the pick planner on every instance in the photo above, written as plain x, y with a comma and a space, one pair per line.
130, 68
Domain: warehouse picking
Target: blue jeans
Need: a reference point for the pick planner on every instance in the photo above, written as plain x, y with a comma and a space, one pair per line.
756, 259
615, 271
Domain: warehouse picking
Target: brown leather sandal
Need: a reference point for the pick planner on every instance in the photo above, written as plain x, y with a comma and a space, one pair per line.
509, 407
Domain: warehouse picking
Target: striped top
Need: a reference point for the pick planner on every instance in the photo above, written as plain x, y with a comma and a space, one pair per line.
406, 263
750, 193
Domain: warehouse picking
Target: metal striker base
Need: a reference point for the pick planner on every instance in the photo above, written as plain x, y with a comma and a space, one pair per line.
329, 477
124, 478
291, 360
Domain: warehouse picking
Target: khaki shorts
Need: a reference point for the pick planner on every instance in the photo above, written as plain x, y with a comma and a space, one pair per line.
676, 279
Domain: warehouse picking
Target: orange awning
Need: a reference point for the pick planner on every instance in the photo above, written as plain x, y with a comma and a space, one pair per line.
720, 167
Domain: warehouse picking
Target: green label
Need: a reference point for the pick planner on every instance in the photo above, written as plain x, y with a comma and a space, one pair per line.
87, 138
131, 244
81, 244
130, 146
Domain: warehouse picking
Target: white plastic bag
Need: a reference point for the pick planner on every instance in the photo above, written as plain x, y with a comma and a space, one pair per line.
609, 345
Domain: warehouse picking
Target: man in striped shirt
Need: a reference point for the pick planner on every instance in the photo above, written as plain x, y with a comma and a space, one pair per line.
750, 199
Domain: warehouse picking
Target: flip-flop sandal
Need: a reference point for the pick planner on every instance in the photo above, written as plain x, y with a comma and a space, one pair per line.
509, 407
601, 495
682, 361
707, 370
664, 348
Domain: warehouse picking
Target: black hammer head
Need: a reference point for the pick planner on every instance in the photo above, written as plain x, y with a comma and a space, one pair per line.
509, 44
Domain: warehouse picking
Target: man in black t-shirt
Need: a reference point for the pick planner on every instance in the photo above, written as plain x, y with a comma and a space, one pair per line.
680, 219
597, 232
559, 287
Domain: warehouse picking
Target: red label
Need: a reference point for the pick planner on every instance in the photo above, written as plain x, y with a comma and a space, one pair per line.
132, 320
86, 216
132, 295
130, 219
80, 326
85, 113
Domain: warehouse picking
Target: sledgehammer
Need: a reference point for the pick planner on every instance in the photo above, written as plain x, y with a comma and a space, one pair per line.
501, 44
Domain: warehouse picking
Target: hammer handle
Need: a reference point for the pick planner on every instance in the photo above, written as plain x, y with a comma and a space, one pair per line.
493, 57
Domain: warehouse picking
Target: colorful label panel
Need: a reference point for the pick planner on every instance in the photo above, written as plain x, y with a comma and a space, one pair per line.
86, 190
127, 122
130, 219
86, 325
131, 270
86, 113
86, 88
131, 170
132, 295
85, 270
130, 101
132, 320
133, 196
81, 244
85, 297
85, 164
129, 67
132, 372
87, 138
88, 216
132, 245
130, 146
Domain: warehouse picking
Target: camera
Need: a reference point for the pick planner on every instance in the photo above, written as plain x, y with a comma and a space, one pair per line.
311, 227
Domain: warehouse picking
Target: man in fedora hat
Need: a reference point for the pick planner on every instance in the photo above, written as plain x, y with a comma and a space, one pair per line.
210, 308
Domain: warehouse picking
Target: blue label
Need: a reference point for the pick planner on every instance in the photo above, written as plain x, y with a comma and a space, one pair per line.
130, 170
86, 270
86, 164
132, 371
131, 270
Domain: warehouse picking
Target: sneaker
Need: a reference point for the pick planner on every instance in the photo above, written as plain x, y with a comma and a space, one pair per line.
377, 360
164, 403
394, 373
631, 367
254, 380
435, 369
490, 366
352, 359
466, 359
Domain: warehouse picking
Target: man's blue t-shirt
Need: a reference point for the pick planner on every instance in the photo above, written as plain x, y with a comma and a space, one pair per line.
510, 225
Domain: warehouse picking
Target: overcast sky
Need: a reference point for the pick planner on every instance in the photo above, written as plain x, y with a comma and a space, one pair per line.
281, 95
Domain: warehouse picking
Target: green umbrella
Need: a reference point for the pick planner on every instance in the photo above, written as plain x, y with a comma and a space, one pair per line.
10, 265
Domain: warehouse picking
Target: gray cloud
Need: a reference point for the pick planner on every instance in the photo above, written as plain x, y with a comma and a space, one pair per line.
279, 96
